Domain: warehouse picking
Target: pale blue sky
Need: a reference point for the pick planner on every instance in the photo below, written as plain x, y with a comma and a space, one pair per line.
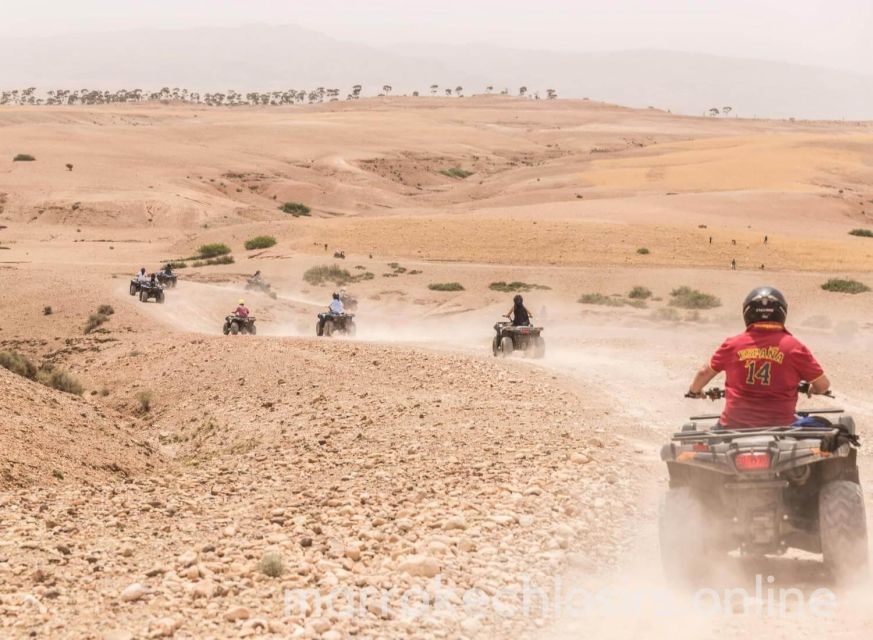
833, 33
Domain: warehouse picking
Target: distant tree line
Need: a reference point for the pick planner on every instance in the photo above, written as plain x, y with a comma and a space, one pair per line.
29, 96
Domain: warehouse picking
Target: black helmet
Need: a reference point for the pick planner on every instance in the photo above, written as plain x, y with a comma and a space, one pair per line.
518, 299
765, 304
336, 296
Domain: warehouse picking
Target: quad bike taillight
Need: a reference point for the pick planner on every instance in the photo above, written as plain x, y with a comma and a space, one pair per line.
753, 461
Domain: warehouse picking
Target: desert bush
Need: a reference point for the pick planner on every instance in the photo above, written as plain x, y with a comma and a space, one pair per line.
213, 250
445, 286
60, 380
323, 274
640, 293
840, 285
271, 564
456, 172
105, 309
296, 209
94, 321
47, 310
600, 299
177, 264
260, 242
643, 251
18, 364
513, 287
144, 398
688, 298
69, 166
23, 157
213, 261
864, 233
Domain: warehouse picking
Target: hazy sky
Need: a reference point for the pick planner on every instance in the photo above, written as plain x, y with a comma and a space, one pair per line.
832, 33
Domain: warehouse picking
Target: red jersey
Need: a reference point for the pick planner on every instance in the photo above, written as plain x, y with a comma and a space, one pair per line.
241, 312
763, 367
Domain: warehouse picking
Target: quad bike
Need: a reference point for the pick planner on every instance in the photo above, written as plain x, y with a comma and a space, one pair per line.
257, 284
340, 255
510, 338
147, 290
236, 324
349, 302
135, 286
167, 279
762, 491
331, 323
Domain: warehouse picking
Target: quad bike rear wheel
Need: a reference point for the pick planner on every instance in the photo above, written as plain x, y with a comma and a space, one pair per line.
319, 329
143, 296
328, 328
234, 328
506, 346
225, 329
132, 289
681, 529
842, 526
495, 346
160, 297
252, 330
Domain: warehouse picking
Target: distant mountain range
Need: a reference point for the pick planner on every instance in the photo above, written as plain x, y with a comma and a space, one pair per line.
259, 57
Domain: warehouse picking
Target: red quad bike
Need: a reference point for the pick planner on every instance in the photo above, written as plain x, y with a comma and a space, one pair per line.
510, 338
762, 491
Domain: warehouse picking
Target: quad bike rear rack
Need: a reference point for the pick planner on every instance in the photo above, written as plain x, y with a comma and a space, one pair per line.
726, 435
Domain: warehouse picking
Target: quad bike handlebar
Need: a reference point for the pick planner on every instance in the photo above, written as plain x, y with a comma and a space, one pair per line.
717, 393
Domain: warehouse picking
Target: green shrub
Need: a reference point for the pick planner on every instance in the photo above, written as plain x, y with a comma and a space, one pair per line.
688, 298
60, 380
639, 293
47, 310
600, 299
144, 398
864, 233
456, 172
296, 209
324, 274
105, 309
94, 321
17, 364
513, 287
213, 261
845, 286
212, 250
643, 251
23, 157
177, 264
260, 242
445, 286
271, 564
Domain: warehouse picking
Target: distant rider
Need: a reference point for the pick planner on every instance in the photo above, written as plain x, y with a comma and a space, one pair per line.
256, 279
519, 315
334, 309
141, 277
763, 367
242, 311
168, 269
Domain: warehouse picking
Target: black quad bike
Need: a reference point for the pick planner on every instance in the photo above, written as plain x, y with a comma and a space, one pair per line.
135, 286
331, 323
762, 491
236, 324
167, 279
147, 291
510, 338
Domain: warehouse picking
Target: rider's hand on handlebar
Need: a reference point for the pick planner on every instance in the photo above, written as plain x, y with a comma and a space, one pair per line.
697, 395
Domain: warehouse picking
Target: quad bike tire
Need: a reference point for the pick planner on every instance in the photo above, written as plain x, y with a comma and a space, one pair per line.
252, 330
842, 523
506, 346
143, 296
225, 329
681, 529
539, 347
234, 328
328, 328
132, 289
319, 329
495, 346
160, 297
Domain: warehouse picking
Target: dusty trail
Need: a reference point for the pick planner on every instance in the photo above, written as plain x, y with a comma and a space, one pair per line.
642, 368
